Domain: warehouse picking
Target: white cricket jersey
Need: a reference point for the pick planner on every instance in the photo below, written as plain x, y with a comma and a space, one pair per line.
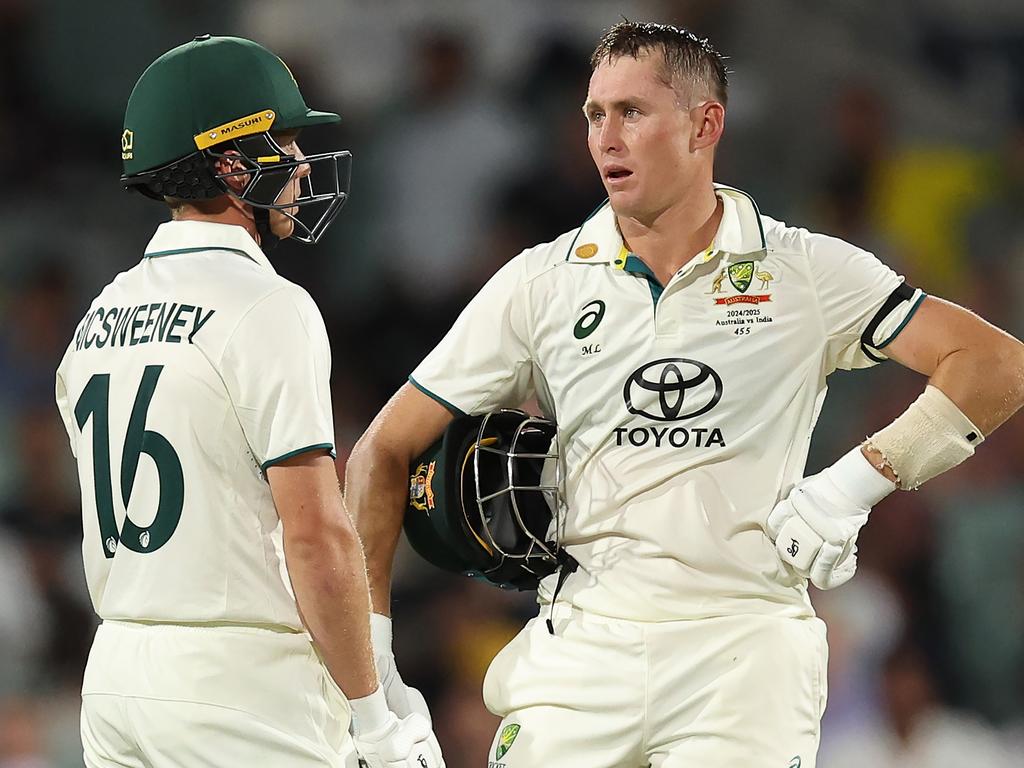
190, 374
684, 411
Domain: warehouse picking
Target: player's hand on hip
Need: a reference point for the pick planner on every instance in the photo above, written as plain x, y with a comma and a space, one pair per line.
402, 699
815, 527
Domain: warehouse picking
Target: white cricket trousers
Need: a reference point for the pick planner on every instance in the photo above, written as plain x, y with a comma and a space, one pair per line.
163, 696
729, 692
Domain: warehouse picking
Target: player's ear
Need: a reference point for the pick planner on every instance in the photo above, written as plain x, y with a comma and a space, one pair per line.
227, 164
707, 122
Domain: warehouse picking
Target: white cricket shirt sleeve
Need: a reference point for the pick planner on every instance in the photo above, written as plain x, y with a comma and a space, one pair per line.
853, 287
277, 367
484, 362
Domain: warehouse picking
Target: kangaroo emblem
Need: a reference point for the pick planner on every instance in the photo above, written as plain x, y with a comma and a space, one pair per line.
716, 287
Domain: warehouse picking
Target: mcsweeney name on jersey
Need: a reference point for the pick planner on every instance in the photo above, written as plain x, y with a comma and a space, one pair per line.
172, 323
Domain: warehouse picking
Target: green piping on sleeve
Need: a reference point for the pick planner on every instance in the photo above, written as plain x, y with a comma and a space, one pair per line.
454, 411
913, 311
296, 452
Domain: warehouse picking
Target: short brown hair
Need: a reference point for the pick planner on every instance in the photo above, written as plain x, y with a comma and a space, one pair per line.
688, 58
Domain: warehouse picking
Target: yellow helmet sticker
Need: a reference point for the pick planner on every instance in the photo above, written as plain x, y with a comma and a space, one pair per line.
258, 122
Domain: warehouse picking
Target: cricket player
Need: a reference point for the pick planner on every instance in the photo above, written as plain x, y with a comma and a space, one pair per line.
195, 393
681, 340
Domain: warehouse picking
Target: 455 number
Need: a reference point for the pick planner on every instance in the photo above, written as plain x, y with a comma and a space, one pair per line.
94, 403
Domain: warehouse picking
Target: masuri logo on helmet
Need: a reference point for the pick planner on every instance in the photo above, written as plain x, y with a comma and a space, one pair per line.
246, 126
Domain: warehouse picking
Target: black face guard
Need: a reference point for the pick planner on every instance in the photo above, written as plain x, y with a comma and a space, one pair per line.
511, 498
323, 191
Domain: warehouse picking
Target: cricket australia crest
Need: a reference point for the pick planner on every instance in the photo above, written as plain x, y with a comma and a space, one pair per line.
741, 276
508, 735
421, 491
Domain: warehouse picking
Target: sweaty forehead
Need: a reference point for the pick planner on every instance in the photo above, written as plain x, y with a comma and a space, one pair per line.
624, 77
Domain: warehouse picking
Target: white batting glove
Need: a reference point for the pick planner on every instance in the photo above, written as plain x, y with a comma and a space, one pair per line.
815, 528
402, 699
384, 740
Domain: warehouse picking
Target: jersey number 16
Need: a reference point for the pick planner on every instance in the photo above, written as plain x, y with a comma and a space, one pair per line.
95, 402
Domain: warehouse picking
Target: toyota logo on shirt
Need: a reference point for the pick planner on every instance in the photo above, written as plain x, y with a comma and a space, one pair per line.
672, 389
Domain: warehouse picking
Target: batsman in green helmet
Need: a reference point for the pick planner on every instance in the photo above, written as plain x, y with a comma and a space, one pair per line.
211, 127
196, 396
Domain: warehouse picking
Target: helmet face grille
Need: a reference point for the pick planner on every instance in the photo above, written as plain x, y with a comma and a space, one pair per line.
265, 171
484, 500
516, 512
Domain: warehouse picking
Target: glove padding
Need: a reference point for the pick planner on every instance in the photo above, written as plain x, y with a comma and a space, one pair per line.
815, 528
400, 743
402, 699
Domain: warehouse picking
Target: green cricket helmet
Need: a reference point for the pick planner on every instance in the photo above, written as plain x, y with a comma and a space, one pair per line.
215, 97
484, 502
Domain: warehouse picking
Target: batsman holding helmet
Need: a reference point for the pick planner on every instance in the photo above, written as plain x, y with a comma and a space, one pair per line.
196, 396
681, 341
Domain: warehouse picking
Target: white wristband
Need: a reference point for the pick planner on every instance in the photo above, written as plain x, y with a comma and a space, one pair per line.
370, 712
858, 480
380, 632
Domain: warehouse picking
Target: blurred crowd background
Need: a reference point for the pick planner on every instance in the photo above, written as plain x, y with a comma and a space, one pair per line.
897, 125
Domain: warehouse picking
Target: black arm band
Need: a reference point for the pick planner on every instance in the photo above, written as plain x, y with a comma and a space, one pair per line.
902, 293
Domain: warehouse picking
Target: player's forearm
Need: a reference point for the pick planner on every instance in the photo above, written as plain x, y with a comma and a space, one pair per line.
986, 382
973, 388
328, 576
376, 494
